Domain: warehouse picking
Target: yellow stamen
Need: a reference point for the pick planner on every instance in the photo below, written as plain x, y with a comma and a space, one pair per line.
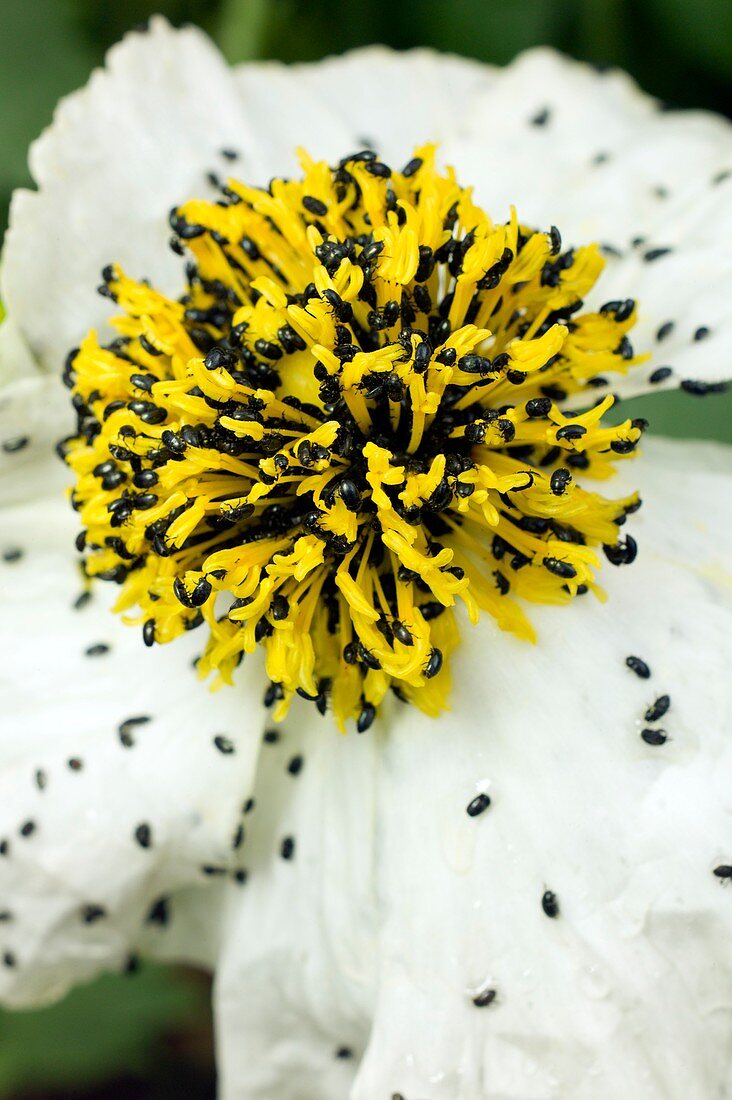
352, 421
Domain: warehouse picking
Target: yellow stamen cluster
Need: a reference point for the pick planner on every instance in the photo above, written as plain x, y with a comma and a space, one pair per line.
351, 421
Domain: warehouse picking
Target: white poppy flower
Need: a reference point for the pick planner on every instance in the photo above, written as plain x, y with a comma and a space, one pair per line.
520, 899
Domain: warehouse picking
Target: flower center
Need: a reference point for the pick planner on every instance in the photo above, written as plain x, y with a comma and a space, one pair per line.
355, 417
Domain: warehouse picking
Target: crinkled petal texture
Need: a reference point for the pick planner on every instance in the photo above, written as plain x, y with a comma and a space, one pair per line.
584, 150
122, 779
358, 960
357, 912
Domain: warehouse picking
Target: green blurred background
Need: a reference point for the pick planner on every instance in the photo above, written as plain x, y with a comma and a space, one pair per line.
149, 1035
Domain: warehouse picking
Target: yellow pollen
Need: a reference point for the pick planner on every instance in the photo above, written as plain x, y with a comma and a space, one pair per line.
357, 417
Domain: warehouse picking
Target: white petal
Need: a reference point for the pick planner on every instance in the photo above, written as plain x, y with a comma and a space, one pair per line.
294, 983
371, 97
16, 360
85, 845
35, 413
398, 908
606, 164
136, 141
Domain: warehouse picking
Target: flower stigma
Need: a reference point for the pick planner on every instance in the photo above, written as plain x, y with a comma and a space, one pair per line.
361, 412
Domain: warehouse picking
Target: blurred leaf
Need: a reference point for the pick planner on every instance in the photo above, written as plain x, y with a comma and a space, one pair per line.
104, 24
47, 49
297, 30
700, 30
600, 32
681, 415
242, 28
97, 1031
41, 58
491, 30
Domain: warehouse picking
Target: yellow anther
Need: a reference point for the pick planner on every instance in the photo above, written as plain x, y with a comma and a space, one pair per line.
352, 422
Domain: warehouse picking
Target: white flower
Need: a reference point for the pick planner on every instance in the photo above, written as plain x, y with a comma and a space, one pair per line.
370, 938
